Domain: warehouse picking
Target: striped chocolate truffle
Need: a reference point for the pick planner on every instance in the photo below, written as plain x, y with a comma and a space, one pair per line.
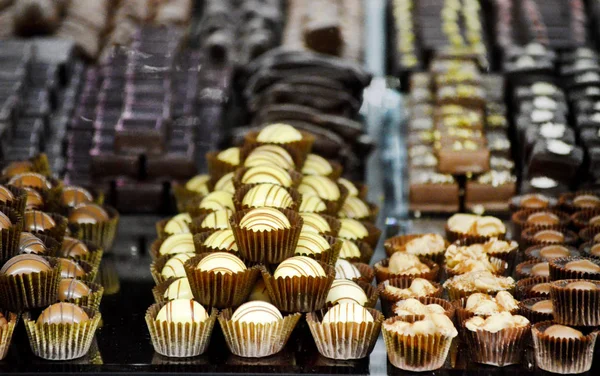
30, 179
312, 204
198, 184
270, 154
25, 264
34, 199
221, 262
182, 311
70, 288
319, 186
347, 312
354, 207
346, 291
221, 239
269, 195
267, 174
6, 194
225, 183
217, 200
264, 219
299, 266
279, 133
177, 243
179, 289
70, 268
73, 196
174, 266
36, 220
72, 247
352, 229
89, 213
231, 156
316, 165
179, 224
349, 250
217, 220
352, 190
311, 243
315, 223
16, 168
257, 312
345, 270
29, 243
62, 313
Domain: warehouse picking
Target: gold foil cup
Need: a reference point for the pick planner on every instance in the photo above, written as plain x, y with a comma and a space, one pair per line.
297, 156
100, 233
18, 202
581, 219
499, 268
398, 243
344, 340
93, 257
270, 247
558, 270
502, 348
216, 167
199, 240
331, 254
417, 353
575, 307
299, 294
524, 286
519, 220
449, 308
563, 355
33, 290
219, 290
41, 165
10, 237
382, 272
92, 300
241, 192
6, 332
301, 148
389, 299
239, 174
182, 196
531, 315
528, 237
589, 233
89, 270
256, 340
367, 274
178, 340
533, 252
108, 277
62, 341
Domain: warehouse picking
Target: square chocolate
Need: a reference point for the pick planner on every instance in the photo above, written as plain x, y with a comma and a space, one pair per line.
555, 159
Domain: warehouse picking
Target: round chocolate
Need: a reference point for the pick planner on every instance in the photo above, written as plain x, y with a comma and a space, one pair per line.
178, 243
231, 156
319, 186
299, 266
16, 168
352, 229
36, 220
221, 262
198, 184
269, 195
70, 288
540, 269
257, 312
72, 247
597, 238
267, 174
25, 264
354, 207
217, 220
582, 285
534, 201
5, 222
34, 199
312, 204
551, 252
221, 239
6, 194
63, 313
347, 312
563, 332
279, 133
345, 270
311, 243
225, 183
586, 201
29, 243
30, 179
346, 291
584, 266
349, 250
217, 200
179, 289
315, 223
541, 288
174, 266
543, 219
352, 190
543, 306
179, 224
70, 269
88, 213
73, 196
316, 165
270, 154
549, 236
264, 219
182, 311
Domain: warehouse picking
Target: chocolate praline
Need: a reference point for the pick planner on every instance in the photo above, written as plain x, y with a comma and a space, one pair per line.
5, 222
30, 179
16, 168
71, 247
25, 264
29, 243
88, 213
34, 199
63, 313
36, 220
6, 194
74, 196
70, 288
70, 269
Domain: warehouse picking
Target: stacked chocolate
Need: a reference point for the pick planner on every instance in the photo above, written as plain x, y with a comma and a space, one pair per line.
457, 139
270, 233
53, 238
318, 94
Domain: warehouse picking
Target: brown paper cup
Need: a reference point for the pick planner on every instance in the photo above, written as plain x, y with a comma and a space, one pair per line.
453, 236
561, 355
101, 233
566, 200
508, 256
519, 220
253, 340
499, 349
217, 289
523, 288
367, 273
270, 247
388, 299
239, 174
241, 192
179, 340
92, 300
589, 234
62, 341
575, 307
27, 291
199, 240
523, 269
299, 294
499, 267
19, 201
330, 255
515, 203
531, 315
216, 167
182, 196
302, 148
9, 237
528, 237
6, 332
533, 252
398, 243
558, 270
581, 219
449, 308
417, 353
344, 340
382, 272
108, 277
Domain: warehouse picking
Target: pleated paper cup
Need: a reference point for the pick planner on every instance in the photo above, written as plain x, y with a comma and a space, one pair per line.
6, 332
240, 193
269, 247
524, 269
449, 308
179, 340
328, 256
367, 274
19, 200
398, 244
566, 200
61, 341
183, 195
524, 286
502, 348
199, 240
33, 290
344, 340
531, 315
575, 307
509, 256
58, 231
389, 299
108, 277
255, 340
520, 223
382, 272
453, 236
528, 237
238, 176
417, 353
93, 257
534, 252
219, 290
92, 300
563, 355
101, 233
581, 219
218, 168
9, 237
299, 149
299, 294
558, 270
589, 234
